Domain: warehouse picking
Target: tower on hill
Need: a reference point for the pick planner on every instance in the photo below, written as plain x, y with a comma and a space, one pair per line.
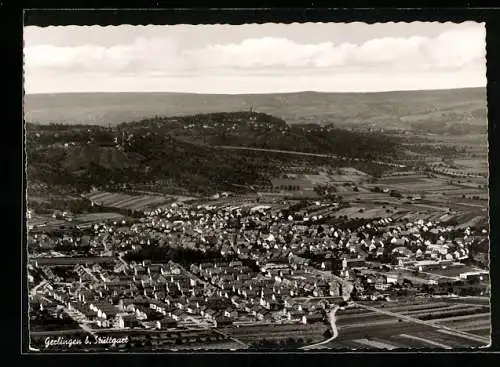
252, 117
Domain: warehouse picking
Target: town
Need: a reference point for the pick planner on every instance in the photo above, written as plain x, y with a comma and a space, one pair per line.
245, 271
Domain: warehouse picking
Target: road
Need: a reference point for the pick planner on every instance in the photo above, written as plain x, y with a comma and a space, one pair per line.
80, 319
197, 278
427, 323
230, 147
292, 152
120, 257
473, 205
335, 332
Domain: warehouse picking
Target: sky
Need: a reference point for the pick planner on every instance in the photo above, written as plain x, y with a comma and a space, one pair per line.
255, 58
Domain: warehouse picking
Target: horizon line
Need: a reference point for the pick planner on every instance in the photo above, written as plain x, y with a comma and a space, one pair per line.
255, 93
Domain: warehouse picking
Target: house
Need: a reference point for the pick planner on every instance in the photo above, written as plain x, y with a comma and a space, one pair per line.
393, 278
426, 265
475, 276
209, 314
352, 263
126, 304
127, 321
231, 313
263, 314
404, 261
295, 315
381, 283
313, 317
104, 310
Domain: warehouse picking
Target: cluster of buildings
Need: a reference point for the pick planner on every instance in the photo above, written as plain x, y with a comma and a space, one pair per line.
265, 264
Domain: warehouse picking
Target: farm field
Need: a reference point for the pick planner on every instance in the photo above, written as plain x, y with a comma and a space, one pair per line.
346, 174
415, 184
363, 211
464, 300
430, 186
479, 324
363, 329
96, 217
125, 201
475, 165
45, 221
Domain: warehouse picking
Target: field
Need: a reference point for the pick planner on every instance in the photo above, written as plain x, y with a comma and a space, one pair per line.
96, 217
473, 165
465, 200
124, 201
435, 187
453, 271
479, 324
364, 213
344, 174
363, 329
414, 184
46, 221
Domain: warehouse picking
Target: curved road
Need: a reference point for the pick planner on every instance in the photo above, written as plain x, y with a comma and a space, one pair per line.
333, 320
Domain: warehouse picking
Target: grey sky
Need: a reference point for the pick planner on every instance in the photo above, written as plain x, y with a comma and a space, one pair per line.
255, 58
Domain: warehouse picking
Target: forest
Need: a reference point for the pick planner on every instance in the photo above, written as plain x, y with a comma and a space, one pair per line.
159, 150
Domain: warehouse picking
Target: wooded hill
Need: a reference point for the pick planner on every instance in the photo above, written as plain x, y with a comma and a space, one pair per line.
182, 152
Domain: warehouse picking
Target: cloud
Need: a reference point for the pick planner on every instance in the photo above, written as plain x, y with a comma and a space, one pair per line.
141, 56
451, 49
460, 48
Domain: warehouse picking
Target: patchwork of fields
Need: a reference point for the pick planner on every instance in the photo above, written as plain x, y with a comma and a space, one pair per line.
125, 201
46, 221
415, 183
437, 325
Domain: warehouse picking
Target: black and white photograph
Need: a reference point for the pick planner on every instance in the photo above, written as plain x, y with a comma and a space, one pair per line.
257, 187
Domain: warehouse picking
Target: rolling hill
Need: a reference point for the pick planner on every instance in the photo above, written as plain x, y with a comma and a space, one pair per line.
405, 109
160, 152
